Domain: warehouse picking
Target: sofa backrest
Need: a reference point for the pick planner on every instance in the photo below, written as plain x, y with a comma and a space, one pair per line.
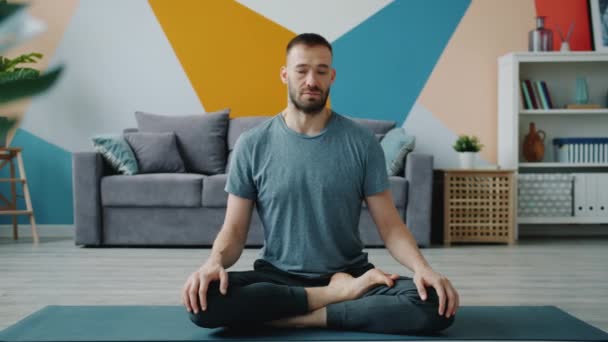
379, 127
239, 125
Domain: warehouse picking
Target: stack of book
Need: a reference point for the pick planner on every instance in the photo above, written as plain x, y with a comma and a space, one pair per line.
535, 95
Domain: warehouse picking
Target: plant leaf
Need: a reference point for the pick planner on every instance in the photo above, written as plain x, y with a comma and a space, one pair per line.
7, 10
19, 74
15, 90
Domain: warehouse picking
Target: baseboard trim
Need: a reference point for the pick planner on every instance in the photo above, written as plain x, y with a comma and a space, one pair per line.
573, 230
67, 231
44, 230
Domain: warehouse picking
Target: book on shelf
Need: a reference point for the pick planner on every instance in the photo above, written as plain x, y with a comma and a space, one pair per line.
525, 96
531, 92
547, 94
536, 95
539, 104
541, 95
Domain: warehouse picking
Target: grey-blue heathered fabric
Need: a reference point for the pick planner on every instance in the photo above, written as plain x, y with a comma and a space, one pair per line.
308, 191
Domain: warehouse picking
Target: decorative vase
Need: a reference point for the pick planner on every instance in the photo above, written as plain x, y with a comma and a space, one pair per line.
565, 47
582, 93
467, 159
534, 144
541, 38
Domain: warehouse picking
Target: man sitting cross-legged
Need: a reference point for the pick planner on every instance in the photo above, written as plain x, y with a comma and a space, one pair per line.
307, 170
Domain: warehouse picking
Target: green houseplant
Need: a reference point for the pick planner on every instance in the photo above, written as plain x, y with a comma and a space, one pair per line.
467, 148
18, 82
10, 72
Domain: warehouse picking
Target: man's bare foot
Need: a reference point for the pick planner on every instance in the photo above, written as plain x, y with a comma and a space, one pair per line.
347, 287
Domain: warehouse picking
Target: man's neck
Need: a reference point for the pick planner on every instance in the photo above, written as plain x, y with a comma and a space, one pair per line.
306, 123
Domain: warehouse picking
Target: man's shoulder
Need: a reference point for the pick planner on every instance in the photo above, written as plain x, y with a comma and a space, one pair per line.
259, 131
350, 125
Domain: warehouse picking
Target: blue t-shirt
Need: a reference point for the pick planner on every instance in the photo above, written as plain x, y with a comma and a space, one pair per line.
308, 191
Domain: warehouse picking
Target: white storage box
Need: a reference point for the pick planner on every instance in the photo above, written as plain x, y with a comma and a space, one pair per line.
591, 194
581, 150
545, 194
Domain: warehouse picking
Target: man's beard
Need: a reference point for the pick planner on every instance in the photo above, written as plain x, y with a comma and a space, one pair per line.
309, 107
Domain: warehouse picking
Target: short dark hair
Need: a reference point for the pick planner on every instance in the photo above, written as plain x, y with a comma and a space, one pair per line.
308, 39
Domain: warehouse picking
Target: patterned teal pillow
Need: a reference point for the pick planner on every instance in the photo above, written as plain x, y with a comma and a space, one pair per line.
116, 150
396, 144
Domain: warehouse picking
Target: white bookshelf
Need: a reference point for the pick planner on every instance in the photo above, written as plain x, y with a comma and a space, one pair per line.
559, 71
576, 112
562, 220
560, 165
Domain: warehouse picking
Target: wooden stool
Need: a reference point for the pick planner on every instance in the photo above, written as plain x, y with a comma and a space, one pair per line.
7, 154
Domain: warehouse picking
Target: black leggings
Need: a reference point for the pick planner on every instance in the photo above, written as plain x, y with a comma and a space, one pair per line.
268, 293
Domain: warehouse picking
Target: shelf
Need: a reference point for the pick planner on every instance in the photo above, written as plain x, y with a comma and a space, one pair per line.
15, 212
562, 220
600, 111
555, 56
12, 180
560, 165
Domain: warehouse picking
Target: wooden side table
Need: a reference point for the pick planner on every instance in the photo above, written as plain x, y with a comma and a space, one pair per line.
7, 156
479, 205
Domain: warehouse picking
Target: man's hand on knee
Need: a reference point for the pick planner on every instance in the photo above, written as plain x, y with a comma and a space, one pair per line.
197, 284
448, 296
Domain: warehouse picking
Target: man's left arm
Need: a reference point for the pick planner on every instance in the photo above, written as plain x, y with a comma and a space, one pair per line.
401, 244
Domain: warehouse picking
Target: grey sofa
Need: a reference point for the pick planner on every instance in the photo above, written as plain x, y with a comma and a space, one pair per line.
183, 209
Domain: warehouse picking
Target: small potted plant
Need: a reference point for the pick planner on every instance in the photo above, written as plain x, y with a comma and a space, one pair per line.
467, 148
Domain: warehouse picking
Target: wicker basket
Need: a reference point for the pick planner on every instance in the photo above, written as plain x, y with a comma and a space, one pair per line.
479, 206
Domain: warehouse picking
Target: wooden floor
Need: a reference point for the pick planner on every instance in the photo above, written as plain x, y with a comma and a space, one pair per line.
571, 273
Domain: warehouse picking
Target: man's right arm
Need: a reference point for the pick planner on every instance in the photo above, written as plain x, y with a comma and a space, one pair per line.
230, 241
227, 249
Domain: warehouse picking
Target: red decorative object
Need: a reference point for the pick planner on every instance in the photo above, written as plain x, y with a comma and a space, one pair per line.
564, 13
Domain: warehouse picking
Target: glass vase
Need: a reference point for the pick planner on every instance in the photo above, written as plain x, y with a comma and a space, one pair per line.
541, 38
582, 94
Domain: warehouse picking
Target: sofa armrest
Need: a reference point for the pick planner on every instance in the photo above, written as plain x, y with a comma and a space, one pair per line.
419, 174
87, 170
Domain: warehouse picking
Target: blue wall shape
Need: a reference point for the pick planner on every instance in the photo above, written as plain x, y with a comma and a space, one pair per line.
49, 176
383, 64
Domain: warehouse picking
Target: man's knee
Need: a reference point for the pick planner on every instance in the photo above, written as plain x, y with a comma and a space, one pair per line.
434, 322
212, 317
205, 319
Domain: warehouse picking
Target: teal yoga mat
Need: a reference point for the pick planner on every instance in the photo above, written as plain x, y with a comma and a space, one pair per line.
171, 323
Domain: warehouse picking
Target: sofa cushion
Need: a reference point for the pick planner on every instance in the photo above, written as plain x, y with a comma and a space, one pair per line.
379, 127
214, 195
156, 152
399, 191
118, 153
200, 138
396, 145
152, 190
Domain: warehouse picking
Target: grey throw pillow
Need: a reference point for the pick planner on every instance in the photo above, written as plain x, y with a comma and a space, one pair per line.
396, 144
117, 152
201, 138
156, 152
